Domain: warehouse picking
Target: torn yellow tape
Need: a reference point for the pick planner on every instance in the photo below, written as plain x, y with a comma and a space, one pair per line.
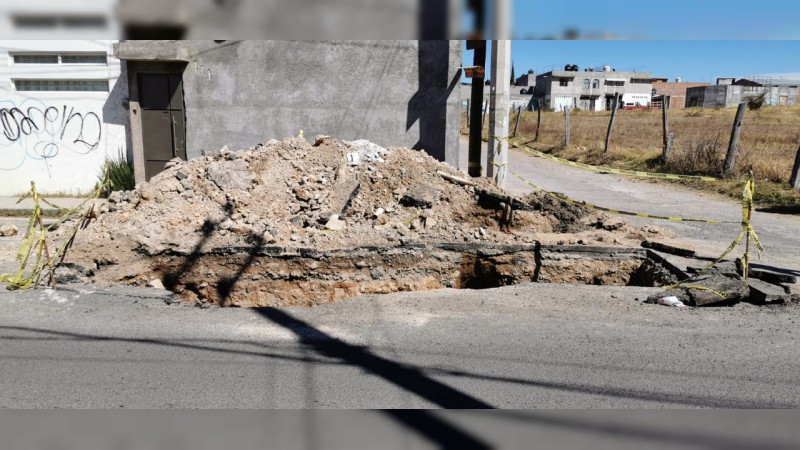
635, 173
614, 211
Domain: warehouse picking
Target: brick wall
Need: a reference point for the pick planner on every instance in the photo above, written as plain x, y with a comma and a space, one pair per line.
676, 90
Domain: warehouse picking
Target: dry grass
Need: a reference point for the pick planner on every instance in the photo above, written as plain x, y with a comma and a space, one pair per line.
769, 142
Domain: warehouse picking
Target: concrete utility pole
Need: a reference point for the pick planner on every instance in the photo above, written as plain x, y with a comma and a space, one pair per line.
499, 104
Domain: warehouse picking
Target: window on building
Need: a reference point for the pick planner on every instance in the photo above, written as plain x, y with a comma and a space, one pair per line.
615, 83
595, 84
39, 22
62, 85
586, 84
563, 82
35, 22
84, 59
64, 58
84, 22
35, 59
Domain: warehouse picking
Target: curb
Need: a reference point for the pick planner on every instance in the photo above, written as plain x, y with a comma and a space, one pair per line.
24, 213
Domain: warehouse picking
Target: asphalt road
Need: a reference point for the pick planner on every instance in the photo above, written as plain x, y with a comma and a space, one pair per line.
535, 346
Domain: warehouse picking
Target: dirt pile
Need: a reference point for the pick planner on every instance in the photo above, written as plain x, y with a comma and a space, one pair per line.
208, 228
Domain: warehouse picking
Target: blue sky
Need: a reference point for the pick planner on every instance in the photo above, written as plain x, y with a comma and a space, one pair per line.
692, 60
674, 19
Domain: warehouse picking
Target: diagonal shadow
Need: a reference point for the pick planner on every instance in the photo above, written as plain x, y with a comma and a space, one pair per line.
436, 429
171, 279
409, 378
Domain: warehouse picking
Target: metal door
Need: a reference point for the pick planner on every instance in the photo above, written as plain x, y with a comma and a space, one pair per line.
163, 120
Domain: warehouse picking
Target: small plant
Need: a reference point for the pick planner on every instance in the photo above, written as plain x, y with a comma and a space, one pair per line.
120, 174
701, 156
756, 101
695, 112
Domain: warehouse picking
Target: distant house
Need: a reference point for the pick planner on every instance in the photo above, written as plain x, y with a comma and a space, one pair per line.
675, 90
526, 83
592, 90
729, 92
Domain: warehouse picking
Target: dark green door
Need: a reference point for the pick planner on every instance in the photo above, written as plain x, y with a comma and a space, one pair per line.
163, 120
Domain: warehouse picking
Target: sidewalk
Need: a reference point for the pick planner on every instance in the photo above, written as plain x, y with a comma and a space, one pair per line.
10, 208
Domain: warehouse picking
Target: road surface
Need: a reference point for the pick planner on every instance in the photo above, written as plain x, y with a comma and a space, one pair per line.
534, 346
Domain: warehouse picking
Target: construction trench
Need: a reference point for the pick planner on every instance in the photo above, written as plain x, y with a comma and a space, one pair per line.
298, 223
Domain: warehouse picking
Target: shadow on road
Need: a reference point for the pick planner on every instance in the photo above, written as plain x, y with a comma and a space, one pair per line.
410, 378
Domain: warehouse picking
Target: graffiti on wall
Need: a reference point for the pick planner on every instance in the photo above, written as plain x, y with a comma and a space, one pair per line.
37, 131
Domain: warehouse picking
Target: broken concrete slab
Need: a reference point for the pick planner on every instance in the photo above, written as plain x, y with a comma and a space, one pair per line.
230, 175
732, 287
763, 273
420, 195
762, 293
667, 248
725, 267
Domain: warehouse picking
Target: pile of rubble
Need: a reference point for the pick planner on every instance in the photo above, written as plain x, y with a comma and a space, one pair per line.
293, 196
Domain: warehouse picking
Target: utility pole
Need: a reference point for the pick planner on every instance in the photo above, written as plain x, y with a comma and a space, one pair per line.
499, 104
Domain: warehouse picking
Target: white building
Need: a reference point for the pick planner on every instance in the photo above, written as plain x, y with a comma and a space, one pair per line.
62, 110
62, 101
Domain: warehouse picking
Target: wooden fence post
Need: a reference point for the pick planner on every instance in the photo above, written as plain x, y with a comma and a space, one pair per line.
614, 107
538, 118
733, 146
667, 136
516, 125
794, 180
566, 126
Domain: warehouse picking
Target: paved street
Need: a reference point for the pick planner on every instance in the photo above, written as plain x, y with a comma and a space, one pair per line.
535, 346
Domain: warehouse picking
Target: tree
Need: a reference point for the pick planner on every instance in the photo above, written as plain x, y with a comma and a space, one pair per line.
513, 77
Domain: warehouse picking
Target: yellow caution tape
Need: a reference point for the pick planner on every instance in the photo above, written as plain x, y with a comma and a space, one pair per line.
720, 294
747, 231
635, 173
18, 280
614, 211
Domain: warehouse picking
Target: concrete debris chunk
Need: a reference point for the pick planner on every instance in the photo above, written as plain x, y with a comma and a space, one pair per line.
8, 230
320, 139
230, 175
334, 223
762, 292
421, 195
353, 159
368, 151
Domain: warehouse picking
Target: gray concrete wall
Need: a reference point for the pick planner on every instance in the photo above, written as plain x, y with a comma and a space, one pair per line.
241, 93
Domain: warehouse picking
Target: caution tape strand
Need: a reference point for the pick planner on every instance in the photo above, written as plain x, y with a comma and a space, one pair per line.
610, 210
635, 173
